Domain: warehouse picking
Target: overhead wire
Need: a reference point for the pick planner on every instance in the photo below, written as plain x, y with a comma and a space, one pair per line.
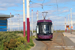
43, 1
42, 4
39, 3
57, 8
57, 5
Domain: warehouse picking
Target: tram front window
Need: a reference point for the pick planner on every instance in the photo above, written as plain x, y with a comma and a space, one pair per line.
46, 29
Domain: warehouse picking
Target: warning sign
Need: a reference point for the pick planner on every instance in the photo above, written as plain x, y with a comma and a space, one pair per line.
67, 26
71, 26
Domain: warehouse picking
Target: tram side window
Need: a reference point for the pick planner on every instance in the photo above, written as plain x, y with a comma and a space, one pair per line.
50, 29
37, 29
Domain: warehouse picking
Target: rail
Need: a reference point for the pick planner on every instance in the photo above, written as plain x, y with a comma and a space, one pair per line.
50, 43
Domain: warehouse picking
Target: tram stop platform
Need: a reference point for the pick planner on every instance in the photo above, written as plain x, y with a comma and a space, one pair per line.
71, 36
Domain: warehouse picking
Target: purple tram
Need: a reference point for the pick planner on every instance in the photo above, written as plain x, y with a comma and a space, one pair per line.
44, 29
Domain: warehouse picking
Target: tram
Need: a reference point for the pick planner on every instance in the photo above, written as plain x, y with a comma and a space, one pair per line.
44, 29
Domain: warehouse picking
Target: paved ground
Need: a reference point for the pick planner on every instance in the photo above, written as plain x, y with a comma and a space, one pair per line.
38, 45
70, 36
57, 43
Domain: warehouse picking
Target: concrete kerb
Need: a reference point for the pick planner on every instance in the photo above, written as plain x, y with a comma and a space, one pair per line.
63, 34
34, 45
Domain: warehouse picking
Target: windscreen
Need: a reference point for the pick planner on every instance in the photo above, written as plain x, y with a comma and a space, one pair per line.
45, 29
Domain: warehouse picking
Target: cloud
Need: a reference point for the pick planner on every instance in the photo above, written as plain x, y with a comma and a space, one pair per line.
56, 18
65, 11
73, 13
60, 1
57, 1
15, 22
4, 4
2, 14
40, 0
17, 10
35, 5
10, 1
62, 11
3, 8
61, 8
64, 7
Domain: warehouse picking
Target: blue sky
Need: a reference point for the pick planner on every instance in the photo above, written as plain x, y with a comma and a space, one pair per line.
50, 6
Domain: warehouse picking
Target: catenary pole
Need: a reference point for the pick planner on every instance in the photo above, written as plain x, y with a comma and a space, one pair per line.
71, 20
32, 21
65, 25
10, 21
24, 18
68, 23
18, 22
68, 19
37, 15
28, 23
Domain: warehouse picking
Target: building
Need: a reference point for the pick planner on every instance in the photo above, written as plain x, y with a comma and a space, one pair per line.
4, 22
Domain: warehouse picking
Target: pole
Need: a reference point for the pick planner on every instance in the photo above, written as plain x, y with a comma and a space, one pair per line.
71, 20
65, 25
42, 16
28, 29
68, 23
13, 26
68, 19
24, 18
37, 14
19, 22
32, 21
10, 21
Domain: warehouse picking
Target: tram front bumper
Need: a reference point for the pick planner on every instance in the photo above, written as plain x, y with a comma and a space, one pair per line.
45, 36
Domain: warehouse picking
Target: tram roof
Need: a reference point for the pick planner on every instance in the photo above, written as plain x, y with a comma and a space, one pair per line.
44, 21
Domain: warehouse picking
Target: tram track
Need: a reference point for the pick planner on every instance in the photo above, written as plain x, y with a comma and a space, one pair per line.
50, 43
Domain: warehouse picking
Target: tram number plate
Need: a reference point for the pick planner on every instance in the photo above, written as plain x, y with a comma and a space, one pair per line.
45, 36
